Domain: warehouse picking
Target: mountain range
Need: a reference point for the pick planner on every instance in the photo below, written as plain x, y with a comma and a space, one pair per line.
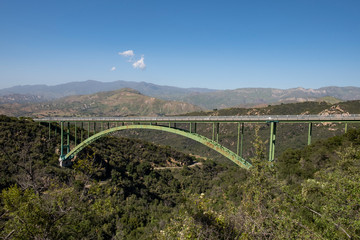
202, 97
123, 102
92, 86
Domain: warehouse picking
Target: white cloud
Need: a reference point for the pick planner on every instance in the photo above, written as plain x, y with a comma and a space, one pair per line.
130, 55
139, 63
113, 69
127, 53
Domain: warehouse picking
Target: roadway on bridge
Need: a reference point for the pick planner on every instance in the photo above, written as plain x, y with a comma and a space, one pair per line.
211, 119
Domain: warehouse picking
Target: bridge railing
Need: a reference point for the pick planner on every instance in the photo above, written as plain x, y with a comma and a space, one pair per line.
247, 118
190, 123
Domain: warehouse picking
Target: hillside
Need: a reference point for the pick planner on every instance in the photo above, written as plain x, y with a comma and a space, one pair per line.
205, 98
114, 191
21, 98
250, 97
92, 86
303, 108
95, 199
123, 102
310, 193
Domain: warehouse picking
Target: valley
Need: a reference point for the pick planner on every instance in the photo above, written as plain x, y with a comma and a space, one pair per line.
127, 188
141, 184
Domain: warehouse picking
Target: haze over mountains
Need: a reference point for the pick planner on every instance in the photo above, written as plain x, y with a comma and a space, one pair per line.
91, 86
123, 102
202, 97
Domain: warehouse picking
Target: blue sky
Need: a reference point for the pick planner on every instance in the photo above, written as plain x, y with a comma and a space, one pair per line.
213, 44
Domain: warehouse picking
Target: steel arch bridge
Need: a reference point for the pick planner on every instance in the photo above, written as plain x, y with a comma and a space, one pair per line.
168, 124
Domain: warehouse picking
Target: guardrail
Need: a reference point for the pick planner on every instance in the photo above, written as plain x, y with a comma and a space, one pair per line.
271, 120
250, 118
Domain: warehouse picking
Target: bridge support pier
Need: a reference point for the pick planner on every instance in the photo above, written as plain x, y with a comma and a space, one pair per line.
49, 130
75, 134
68, 138
272, 140
217, 132
62, 146
309, 133
62, 139
88, 133
213, 132
81, 132
65, 162
240, 137
346, 127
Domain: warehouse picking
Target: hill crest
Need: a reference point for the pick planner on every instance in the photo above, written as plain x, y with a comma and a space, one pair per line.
123, 102
205, 98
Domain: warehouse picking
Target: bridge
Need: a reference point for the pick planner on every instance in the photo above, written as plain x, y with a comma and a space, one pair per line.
170, 124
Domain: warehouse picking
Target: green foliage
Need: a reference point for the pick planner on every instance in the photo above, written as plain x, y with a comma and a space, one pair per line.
199, 220
112, 190
117, 190
310, 194
334, 195
48, 216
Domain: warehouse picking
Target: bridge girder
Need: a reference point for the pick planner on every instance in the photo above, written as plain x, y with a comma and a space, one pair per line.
137, 122
65, 159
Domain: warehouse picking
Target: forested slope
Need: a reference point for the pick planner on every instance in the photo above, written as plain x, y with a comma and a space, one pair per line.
113, 191
309, 193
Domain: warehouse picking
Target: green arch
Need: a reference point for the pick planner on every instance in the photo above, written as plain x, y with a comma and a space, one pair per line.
204, 140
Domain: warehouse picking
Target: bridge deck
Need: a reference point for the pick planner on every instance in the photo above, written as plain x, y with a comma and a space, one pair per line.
146, 123
211, 119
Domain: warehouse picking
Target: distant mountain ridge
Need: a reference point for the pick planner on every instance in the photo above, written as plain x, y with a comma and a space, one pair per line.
250, 97
21, 98
203, 97
92, 86
123, 102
